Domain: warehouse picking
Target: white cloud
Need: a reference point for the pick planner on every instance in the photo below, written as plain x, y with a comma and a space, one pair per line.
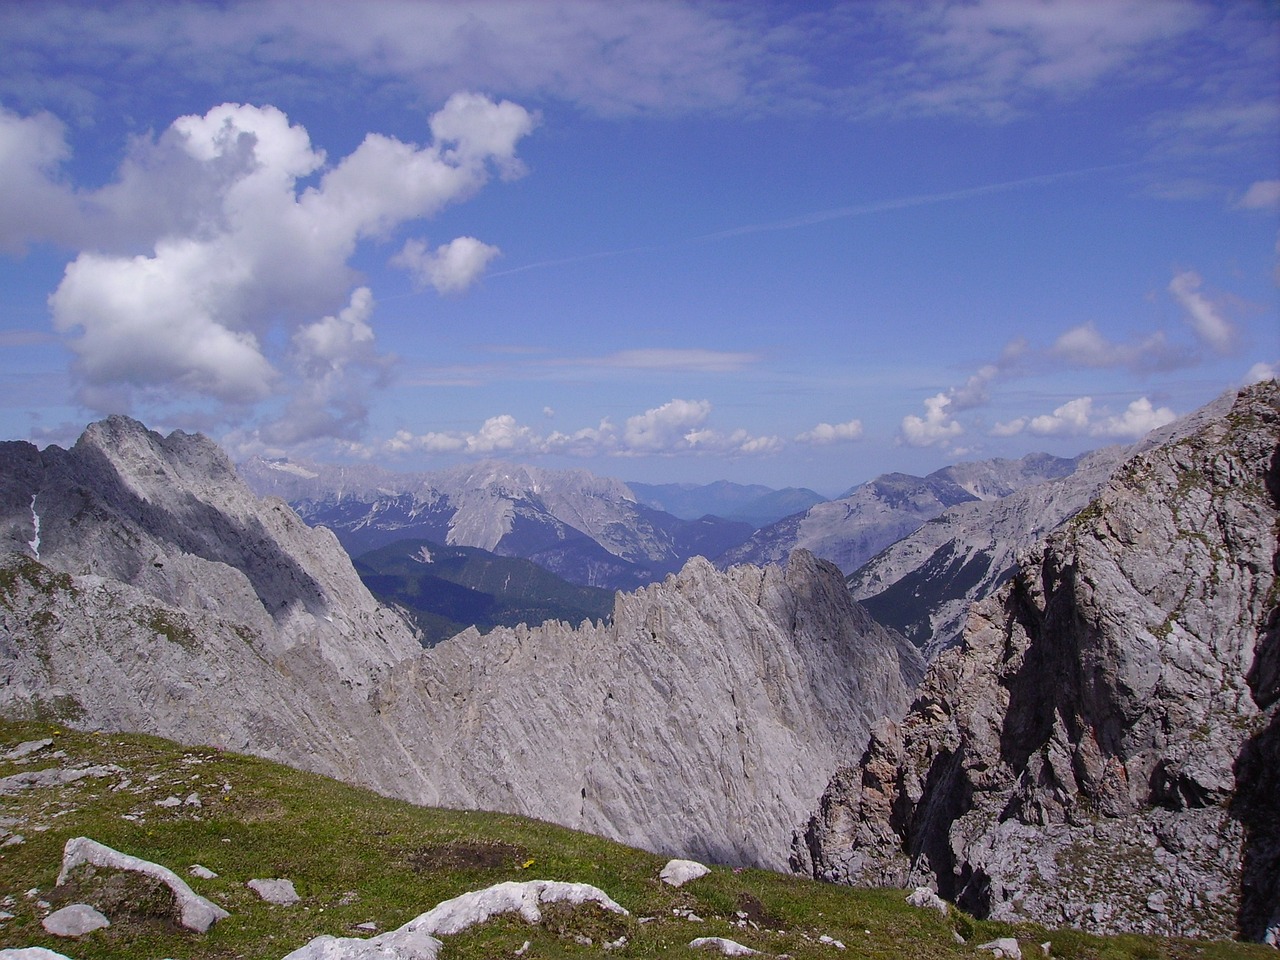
1138, 419
450, 268
676, 427
1084, 346
1207, 320
1069, 419
665, 427
1079, 418
1260, 372
247, 247
34, 204
828, 433
671, 358
1261, 195
936, 426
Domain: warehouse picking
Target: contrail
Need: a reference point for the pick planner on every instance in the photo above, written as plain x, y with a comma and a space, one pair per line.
900, 203
837, 213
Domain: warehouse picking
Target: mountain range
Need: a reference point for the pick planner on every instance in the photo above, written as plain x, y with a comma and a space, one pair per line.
590, 530
1099, 749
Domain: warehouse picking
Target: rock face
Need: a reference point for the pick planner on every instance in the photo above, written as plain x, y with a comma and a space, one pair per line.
851, 530
924, 583
1102, 749
589, 530
743, 690
146, 588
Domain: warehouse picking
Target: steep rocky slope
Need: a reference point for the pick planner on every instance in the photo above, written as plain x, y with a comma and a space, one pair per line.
590, 530
145, 588
703, 720
1102, 749
851, 530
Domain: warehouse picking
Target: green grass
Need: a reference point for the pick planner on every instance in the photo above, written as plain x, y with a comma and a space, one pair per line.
355, 857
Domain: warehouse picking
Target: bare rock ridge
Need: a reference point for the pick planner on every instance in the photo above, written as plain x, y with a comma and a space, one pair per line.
852, 529
145, 588
1102, 749
697, 722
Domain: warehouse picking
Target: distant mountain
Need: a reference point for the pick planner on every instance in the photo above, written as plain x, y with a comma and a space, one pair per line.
851, 530
589, 530
444, 590
752, 503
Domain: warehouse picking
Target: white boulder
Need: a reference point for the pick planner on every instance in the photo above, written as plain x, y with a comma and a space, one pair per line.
679, 872
730, 948
277, 891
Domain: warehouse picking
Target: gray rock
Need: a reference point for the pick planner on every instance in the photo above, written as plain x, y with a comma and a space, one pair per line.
730, 948
1006, 947
74, 920
926, 899
1105, 730
27, 748
277, 891
679, 872
31, 953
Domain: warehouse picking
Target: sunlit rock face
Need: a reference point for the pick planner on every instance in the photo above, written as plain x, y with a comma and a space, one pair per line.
1102, 748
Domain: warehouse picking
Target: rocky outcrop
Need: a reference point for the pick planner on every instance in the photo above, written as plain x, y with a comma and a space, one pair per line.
703, 720
924, 583
143, 587
1102, 748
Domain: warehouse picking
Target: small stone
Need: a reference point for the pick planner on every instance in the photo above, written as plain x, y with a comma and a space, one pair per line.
14, 840
192, 800
74, 921
368, 926
730, 948
926, 899
831, 942
169, 802
1156, 902
204, 873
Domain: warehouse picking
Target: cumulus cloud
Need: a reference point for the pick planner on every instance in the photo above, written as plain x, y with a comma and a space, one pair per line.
828, 433
450, 268
1137, 420
1085, 346
1078, 417
1208, 323
247, 246
936, 426
675, 427
34, 204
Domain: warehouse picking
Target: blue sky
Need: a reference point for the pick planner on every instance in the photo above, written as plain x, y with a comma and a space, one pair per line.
784, 243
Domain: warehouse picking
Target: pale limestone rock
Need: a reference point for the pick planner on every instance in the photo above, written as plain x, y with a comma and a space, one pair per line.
417, 939
31, 953
679, 872
730, 948
74, 920
1109, 726
202, 872
197, 913
926, 899
1006, 947
277, 891
27, 748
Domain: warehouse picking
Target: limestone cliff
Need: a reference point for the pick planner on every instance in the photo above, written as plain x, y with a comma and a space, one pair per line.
1102, 748
703, 720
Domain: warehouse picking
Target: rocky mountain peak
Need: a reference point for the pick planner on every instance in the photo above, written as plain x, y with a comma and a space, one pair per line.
1101, 749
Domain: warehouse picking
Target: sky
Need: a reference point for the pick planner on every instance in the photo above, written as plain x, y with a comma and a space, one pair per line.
796, 244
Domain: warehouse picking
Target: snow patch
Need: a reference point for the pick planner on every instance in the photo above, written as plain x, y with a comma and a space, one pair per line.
34, 542
292, 468
424, 556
